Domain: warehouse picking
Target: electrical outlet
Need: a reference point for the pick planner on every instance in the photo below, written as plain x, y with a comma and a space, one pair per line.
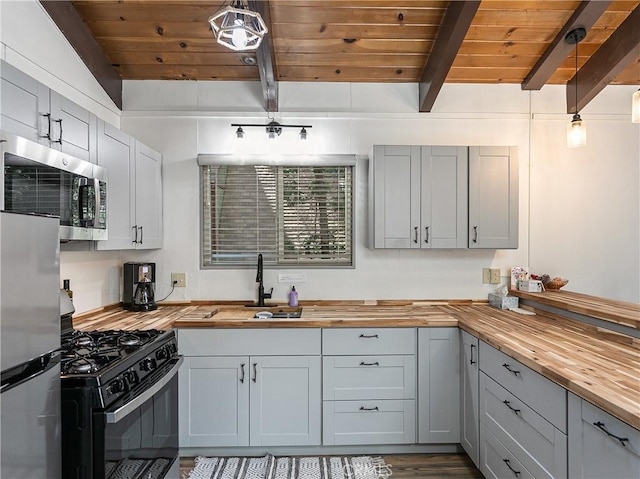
486, 275
495, 276
179, 280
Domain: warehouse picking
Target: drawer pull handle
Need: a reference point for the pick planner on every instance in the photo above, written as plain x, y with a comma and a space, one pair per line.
369, 337
255, 372
472, 361
362, 363
601, 426
242, 373
508, 368
362, 408
508, 404
515, 473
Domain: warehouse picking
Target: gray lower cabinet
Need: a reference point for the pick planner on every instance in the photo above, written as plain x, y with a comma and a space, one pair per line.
438, 385
600, 445
469, 396
523, 419
230, 397
369, 386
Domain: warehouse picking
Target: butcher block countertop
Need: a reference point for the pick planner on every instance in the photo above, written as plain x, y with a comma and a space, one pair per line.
598, 365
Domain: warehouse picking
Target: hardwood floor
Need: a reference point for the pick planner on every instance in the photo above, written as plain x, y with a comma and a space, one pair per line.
408, 466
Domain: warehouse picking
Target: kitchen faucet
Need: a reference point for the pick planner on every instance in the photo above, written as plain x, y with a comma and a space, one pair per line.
261, 294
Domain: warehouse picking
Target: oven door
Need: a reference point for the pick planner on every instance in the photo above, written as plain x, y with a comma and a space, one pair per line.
140, 437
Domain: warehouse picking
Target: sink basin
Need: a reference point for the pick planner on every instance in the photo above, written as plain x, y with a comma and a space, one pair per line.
279, 313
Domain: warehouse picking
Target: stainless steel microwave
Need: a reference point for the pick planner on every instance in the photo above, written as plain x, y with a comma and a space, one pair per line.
39, 179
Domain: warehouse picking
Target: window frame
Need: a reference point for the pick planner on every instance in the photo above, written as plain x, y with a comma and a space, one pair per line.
279, 161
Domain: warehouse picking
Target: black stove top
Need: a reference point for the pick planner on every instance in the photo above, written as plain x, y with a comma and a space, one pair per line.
115, 362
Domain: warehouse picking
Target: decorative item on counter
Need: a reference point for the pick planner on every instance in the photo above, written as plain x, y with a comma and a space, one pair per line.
530, 285
501, 300
293, 297
553, 283
66, 286
518, 273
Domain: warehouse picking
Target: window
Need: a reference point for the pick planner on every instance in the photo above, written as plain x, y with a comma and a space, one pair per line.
293, 215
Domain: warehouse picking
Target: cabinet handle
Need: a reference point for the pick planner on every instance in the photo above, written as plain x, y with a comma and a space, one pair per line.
415, 234
48, 135
601, 426
508, 368
508, 404
242, 373
471, 361
362, 363
369, 337
141, 233
59, 140
475, 234
362, 408
426, 232
255, 372
515, 473
135, 233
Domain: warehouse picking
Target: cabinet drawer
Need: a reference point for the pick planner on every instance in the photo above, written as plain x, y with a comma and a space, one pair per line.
537, 444
369, 422
543, 395
496, 461
245, 342
368, 341
368, 377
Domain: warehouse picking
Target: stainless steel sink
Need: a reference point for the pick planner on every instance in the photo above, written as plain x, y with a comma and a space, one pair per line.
279, 313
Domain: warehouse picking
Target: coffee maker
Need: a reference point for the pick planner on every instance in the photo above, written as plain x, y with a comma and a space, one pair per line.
139, 287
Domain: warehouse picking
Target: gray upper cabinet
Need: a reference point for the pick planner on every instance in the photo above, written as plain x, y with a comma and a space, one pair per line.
418, 197
493, 197
148, 197
33, 111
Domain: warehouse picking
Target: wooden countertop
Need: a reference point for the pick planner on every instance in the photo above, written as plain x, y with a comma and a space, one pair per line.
598, 365
621, 312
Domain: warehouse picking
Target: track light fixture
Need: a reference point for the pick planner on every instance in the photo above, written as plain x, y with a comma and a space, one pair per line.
576, 130
273, 129
238, 28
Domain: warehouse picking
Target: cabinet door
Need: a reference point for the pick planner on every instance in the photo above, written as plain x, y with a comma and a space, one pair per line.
148, 197
74, 129
285, 400
443, 206
25, 101
469, 419
395, 189
214, 401
115, 149
438, 385
595, 454
493, 197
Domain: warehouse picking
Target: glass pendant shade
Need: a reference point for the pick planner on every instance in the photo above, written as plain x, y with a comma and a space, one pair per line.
238, 28
635, 107
576, 132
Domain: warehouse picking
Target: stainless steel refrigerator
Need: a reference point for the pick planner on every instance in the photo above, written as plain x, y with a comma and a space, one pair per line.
30, 338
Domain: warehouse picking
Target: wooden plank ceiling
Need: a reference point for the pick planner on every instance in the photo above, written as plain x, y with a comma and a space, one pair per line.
362, 41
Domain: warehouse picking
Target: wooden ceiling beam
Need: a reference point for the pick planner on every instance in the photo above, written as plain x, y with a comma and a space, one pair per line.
454, 27
68, 20
585, 16
620, 49
266, 58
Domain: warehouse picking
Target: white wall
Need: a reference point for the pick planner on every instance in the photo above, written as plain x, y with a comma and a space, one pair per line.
582, 206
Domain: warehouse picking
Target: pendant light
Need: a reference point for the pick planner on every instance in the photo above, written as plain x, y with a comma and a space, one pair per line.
238, 28
635, 107
576, 129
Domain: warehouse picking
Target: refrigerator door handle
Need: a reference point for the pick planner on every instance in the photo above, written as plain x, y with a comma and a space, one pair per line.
26, 371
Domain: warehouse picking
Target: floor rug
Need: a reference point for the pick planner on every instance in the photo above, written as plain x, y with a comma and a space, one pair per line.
272, 467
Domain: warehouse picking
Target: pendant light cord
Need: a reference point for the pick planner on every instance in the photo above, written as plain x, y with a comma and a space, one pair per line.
577, 42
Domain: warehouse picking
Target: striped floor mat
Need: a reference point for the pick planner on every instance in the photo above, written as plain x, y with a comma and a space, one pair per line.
271, 467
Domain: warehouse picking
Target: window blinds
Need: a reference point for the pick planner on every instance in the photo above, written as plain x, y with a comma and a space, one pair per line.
293, 215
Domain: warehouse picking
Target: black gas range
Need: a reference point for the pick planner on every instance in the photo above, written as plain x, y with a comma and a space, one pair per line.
119, 404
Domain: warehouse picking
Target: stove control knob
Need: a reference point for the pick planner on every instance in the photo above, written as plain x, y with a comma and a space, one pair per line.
148, 364
116, 386
162, 353
131, 377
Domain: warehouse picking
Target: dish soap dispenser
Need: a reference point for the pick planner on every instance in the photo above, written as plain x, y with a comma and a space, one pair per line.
293, 297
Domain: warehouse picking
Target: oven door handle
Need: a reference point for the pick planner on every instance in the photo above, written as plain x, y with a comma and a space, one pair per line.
122, 412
